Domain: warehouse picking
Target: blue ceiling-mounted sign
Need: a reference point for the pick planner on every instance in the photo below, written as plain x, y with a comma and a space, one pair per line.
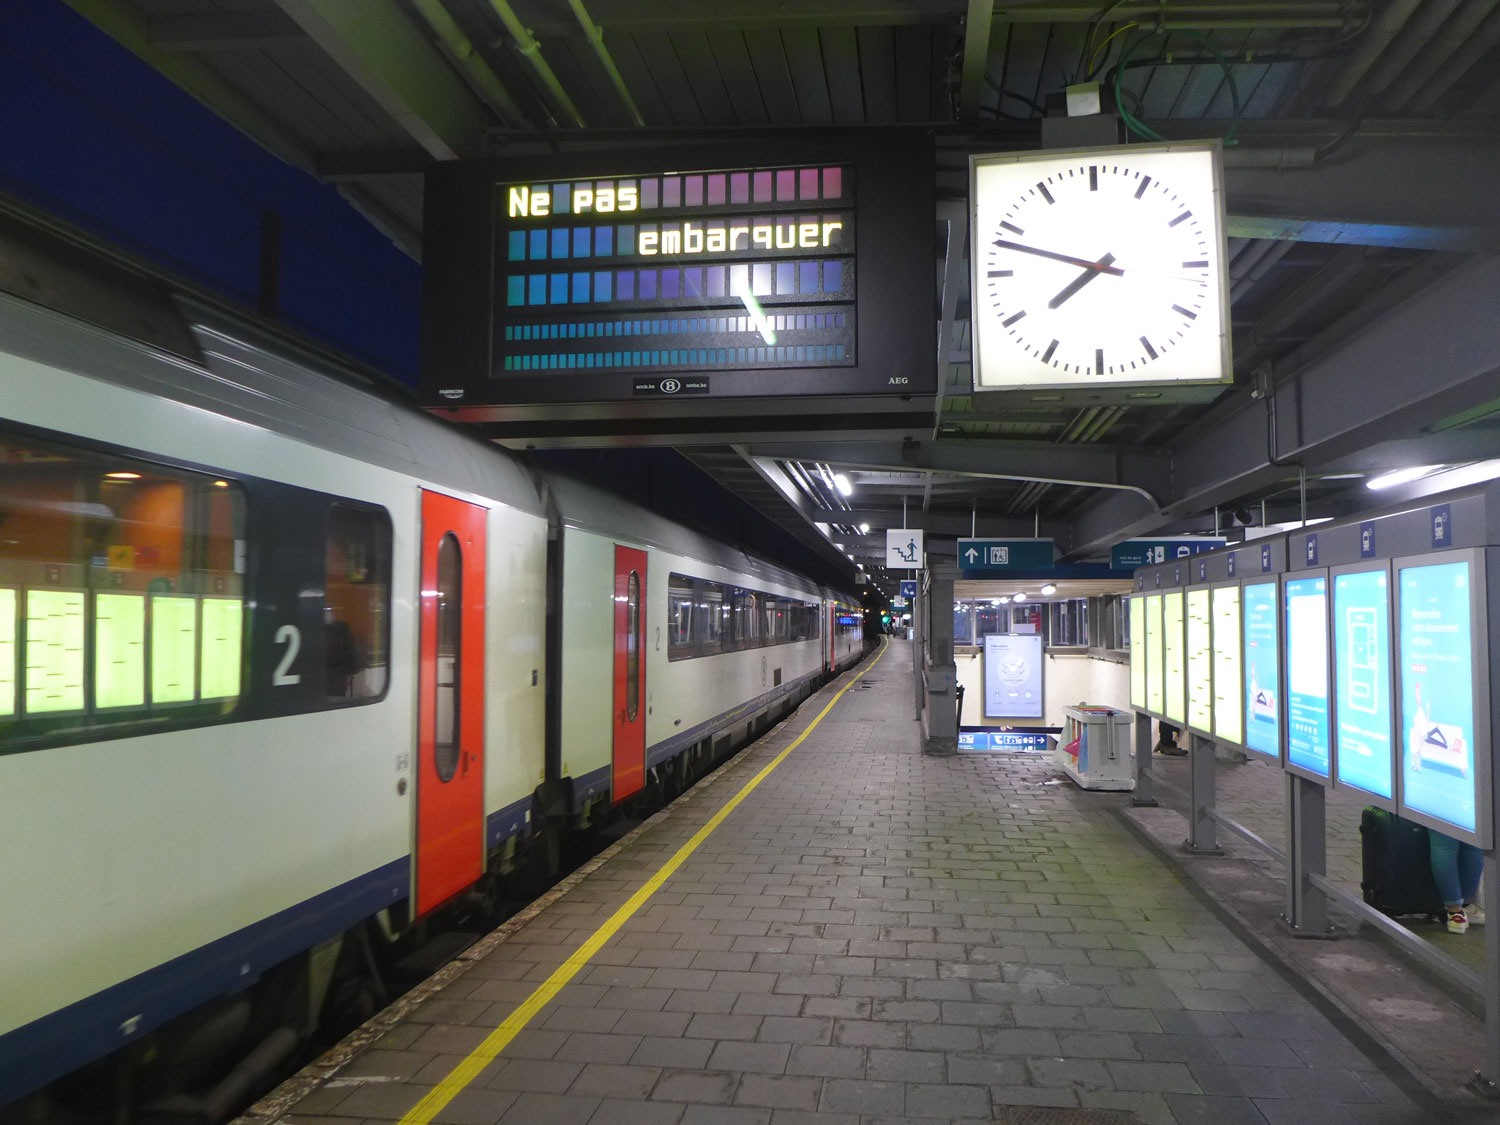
1144, 552
1312, 550
1177, 575
908, 587
1232, 557
1367, 539
1442, 525
1004, 554
1202, 570
1265, 558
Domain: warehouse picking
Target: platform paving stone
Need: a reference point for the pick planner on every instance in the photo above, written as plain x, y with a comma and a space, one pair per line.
874, 935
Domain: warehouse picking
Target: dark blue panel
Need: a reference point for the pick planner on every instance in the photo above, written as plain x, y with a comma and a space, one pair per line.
90, 132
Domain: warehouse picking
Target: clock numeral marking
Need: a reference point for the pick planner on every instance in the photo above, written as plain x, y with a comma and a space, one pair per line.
1145, 343
1047, 195
1047, 355
1180, 218
1140, 191
1001, 273
1098, 361
1195, 265
1093, 177
1012, 228
1185, 312
1013, 318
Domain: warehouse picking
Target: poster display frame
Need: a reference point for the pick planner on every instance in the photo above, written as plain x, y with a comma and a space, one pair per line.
1273, 580
1285, 645
1187, 686
1135, 613
1159, 653
1366, 566
1032, 641
1483, 834
1239, 648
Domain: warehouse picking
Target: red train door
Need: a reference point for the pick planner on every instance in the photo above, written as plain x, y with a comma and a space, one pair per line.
450, 700
630, 672
833, 632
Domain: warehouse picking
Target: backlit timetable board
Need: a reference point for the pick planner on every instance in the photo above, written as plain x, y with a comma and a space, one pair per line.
1262, 663
1305, 602
1362, 709
1200, 700
1229, 708
689, 271
787, 268
1153, 654
1175, 704
1137, 652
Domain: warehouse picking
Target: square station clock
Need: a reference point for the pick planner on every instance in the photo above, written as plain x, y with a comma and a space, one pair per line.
1099, 267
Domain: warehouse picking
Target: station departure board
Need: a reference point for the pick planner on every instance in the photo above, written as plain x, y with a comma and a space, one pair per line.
783, 268
696, 271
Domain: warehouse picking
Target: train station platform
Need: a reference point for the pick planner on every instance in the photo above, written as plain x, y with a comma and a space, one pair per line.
835, 928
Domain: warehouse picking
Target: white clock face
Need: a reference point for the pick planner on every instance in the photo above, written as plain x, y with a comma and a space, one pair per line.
1102, 267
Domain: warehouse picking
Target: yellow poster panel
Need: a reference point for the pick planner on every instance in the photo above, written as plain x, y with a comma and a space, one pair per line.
174, 647
119, 650
1171, 628
1137, 652
54, 651
220, 664
7, 652
1153, 653
1200, 655
1228, 706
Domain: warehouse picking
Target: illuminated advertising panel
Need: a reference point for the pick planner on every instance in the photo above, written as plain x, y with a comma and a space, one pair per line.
1175, 707
1262, 669
1137, 652
1435, 613
1013, 676
1362, 680
1307, 712
1200, 699
1153, 654
1229, 712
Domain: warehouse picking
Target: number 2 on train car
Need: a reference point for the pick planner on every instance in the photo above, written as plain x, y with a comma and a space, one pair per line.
630, 673
450, 730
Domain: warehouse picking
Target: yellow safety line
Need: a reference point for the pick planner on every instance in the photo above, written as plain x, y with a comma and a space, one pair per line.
484, 1054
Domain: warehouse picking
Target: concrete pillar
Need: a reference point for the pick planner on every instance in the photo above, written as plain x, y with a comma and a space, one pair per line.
939, 672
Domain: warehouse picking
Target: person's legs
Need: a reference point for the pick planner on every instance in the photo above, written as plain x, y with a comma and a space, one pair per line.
1442, 854
1470, 871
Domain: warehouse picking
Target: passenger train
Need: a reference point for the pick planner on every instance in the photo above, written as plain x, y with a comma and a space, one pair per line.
286, 666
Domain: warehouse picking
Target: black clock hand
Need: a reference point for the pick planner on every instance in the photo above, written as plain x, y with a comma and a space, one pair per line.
1081, 280
1072, 261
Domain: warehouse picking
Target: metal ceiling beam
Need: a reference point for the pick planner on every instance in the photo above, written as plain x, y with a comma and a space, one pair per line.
221, 32
1430, 358
132, 31
976, 58
393, 62
469, 60
1096, 466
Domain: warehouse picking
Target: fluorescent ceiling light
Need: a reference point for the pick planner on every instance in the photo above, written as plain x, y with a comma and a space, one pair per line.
841, 482
1019, 598
1399, 476
1049, 588
864, 529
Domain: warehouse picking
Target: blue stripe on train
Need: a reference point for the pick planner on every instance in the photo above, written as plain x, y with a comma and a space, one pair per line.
47, 1048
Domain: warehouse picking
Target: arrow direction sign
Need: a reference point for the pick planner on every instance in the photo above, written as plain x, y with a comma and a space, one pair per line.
985, 555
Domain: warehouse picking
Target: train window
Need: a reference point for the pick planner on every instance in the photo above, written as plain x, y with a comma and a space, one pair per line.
449, 655
357, 590
711, 618
121, 591
633, 646
679, 617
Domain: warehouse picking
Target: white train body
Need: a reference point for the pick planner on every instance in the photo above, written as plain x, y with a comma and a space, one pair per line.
155, 858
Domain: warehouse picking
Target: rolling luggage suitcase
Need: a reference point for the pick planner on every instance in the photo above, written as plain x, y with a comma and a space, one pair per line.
1397, 877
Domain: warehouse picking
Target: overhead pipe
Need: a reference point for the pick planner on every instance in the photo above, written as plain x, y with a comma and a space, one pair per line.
595, 35
1278, 251
1448, 59
1428, 21
1250, 258
531, 50
1371, 45
470, 61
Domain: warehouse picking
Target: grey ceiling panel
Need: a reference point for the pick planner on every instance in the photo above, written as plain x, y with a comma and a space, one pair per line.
696, 56
732, 57
914, 74
877, 73
804, 58
638, 76
768, 56
841, 62
660, 58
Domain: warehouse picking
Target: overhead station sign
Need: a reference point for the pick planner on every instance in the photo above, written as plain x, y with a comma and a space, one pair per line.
702, 272
1005, 554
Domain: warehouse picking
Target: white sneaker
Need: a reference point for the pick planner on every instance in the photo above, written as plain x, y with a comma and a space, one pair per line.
1458, 922
1474, 913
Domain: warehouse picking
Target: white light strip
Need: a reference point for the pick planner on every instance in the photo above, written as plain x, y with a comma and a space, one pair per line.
1398, 476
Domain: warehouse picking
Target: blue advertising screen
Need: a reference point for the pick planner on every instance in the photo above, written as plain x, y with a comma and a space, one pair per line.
1262, 670
1437, 691
1307, 674
1013, 676
1362, 679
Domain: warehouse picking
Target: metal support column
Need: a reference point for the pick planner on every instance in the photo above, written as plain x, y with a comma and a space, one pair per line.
918, 650
1307, 856
1203, 838
1145, 791
1484, 1082
940, 673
